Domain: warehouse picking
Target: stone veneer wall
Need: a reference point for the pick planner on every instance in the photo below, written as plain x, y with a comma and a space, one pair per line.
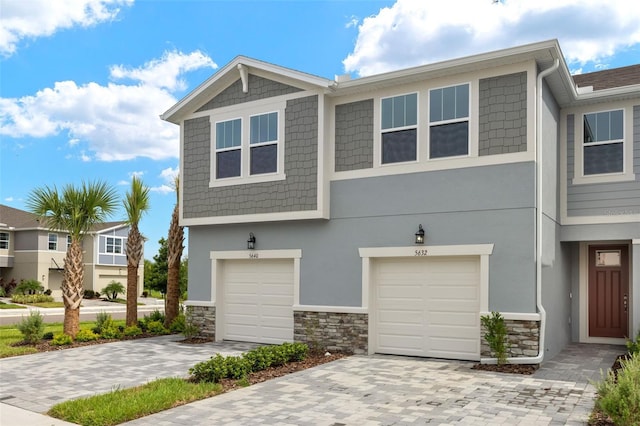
523, 339
204, 317
332, 331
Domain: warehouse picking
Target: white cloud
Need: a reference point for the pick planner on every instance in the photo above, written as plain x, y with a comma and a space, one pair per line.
41, 18
168, 175
9, 199
116, 121
413, 32
352, 22
84, 157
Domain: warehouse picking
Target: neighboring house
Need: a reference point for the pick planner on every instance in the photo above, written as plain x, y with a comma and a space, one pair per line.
29, 251
525, 180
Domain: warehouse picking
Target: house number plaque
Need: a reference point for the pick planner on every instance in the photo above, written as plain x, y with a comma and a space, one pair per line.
421, 252
253, 255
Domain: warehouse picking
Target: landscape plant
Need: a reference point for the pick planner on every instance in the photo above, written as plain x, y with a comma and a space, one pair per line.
32, 327
86, 336
62, 339
29, 287
75, 209
633, 346
113, 289
496, 335
175, 245
619, 394
29, 299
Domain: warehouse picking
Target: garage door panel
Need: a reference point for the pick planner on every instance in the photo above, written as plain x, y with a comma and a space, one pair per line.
392, 316
400, 344
465, 319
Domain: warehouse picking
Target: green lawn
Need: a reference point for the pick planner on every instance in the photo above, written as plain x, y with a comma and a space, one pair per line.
47, 305
11, 306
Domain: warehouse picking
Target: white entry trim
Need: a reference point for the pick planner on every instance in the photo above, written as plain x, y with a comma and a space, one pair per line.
367, 253
218, 256
516, 316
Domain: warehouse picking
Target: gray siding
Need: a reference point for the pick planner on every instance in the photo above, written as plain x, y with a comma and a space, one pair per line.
385, 212
503, 114
354, 136
603, 199
27, 240
259, 88
298, 192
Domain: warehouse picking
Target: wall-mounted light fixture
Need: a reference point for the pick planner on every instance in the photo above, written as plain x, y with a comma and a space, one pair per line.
251, 242
420, 235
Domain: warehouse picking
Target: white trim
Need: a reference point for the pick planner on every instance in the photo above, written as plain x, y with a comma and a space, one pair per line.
331, 309
517, 316
635, 241
260, 254
594, 220
199, 303
411, 251
471, 88
257, 217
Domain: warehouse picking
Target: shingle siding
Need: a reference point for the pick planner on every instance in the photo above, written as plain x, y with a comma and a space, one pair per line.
259, 88
503, 114
298, 192
354, 136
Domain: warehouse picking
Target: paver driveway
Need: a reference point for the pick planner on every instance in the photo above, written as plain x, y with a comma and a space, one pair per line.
359, 390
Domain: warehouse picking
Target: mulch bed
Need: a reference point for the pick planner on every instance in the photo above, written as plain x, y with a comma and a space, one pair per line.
598, 418
46, 345
507, 368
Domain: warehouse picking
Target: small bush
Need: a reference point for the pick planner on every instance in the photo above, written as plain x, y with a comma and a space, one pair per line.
110, 331
190, 330
47, 292
633, 346
48, 335
89, 294
102, 318
32, 327
237, 367
61, 340
155, 315
496, 335
620, 398
86, 336
8, 287
29, 287
145, 293
260, 358
156, 327
31, 298
213, 370
295, 351
178, 324
113, 289
133, 330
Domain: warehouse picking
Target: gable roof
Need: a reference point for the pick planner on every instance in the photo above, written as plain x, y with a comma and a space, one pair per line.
11, 217
608, 79
233, 71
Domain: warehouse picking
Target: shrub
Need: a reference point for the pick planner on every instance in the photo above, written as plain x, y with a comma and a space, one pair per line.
155, 315
8, 287
633, 346
190, 330
89, 294
496, 335
31, 298
237, 367
61, 339
32, 327
213, 370
2, 292
86, 336
102, 318
133, 330
156, 327
145, 293
295, 351
260, 358
29, 287
48, 335
620, 398
110, 331
178, 324
113, 289
47, 292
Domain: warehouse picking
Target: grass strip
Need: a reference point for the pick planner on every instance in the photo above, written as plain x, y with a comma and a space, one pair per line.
11, 306
123, 405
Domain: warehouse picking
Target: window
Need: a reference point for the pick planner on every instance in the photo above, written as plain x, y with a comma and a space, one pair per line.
449, 121
603, 143
399, 118
4, 241
228, 148
114, 245
264, 143
68, 241
53, 241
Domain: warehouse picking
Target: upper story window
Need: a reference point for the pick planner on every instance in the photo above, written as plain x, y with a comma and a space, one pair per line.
68, 241
449, 121
4, 241
399, 125
53, 241
603, 143
249, 145
114, 245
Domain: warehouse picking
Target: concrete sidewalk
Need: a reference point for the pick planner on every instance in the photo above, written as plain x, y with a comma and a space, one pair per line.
14, 416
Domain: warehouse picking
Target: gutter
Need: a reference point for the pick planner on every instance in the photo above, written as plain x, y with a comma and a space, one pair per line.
543, 314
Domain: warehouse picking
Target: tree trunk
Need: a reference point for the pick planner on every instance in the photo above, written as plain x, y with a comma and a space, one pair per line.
134, 254
175, 246
72, 290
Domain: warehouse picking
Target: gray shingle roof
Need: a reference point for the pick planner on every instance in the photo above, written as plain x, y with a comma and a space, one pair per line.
21, 219
607, 79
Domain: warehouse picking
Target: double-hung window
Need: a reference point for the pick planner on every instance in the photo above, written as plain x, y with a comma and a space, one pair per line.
68, 241
603, 143
449, 121
399, 125
53, 241
4, 241
113, 245
263, 142
228, 148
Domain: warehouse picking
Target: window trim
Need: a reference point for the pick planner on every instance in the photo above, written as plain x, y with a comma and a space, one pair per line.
245, 114
466, 119
106, 245
382, 131
68, 241
49, 241
627, 174
5, 241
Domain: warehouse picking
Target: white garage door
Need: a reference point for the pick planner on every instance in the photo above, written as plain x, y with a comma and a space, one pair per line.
428, 306
258, 300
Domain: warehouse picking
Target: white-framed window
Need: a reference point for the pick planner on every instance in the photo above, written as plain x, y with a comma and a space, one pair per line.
603, 142
248, 144
68, 241
449, 121
4, 241
53, 241
114, 245
399, 128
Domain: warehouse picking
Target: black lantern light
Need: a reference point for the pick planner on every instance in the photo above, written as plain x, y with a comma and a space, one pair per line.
251, 242
420, 235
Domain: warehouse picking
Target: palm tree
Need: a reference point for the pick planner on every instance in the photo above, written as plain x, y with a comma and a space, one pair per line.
136, 204
175, 244
75, 210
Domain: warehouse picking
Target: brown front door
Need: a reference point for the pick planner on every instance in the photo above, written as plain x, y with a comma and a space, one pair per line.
608, 291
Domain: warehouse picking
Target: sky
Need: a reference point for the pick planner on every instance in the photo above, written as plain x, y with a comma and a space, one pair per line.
83, 82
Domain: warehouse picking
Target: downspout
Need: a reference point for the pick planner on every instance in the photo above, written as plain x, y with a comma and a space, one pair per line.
543, 314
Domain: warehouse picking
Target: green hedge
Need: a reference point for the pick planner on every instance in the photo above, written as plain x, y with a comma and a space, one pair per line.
31, 298
220, 367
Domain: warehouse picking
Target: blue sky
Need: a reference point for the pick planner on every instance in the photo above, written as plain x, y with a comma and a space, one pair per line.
82, 82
